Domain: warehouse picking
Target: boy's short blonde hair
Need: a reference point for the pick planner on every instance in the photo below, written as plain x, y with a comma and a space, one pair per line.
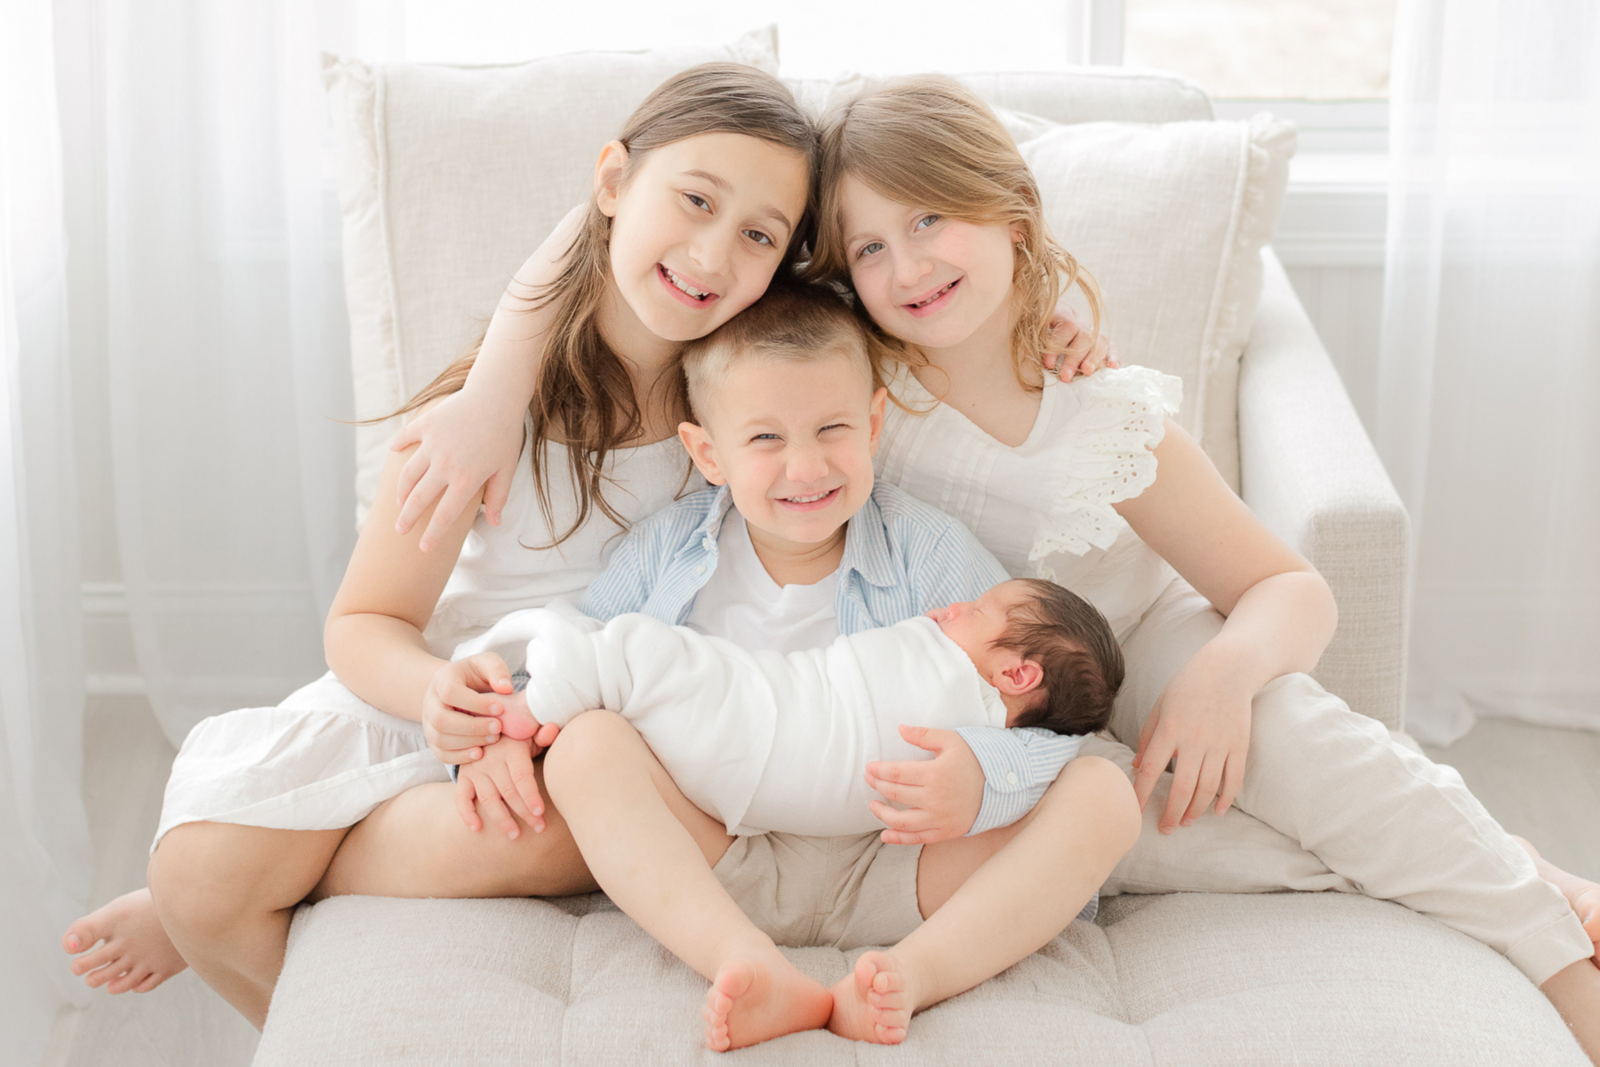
792, 322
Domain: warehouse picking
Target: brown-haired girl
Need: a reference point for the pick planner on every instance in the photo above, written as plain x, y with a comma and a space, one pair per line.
930, 214
697, 203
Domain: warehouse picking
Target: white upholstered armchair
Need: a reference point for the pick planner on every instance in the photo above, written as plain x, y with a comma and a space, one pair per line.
449, 178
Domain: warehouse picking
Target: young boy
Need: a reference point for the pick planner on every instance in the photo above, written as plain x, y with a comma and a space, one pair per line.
767, 741
795, 548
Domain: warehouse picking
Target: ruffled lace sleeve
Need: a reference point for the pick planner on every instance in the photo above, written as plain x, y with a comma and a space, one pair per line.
1105, 454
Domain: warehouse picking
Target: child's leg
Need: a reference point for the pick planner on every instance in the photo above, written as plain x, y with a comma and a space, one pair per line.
415, 845
652, 851
992, 899
225, 894
1375, 811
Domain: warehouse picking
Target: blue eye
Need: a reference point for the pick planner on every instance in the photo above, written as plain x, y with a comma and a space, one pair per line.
927, 220
869, 248
765, 437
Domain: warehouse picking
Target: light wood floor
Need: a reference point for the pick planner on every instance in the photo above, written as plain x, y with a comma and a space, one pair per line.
1541, 783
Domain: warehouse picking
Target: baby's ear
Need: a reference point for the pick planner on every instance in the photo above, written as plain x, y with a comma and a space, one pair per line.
698, 444
1018, 676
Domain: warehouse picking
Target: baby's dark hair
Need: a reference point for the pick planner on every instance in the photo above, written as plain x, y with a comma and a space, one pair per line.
1073, 643
793, 321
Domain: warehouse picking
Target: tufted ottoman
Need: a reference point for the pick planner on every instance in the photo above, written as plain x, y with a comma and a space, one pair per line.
1182, 979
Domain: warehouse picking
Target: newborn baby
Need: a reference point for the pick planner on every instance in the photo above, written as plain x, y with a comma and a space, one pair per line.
767, 741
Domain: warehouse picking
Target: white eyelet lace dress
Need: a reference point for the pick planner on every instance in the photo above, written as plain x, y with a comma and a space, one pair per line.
324, 758
1044, 507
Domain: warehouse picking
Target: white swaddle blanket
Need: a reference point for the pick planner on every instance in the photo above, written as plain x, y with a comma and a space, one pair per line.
760, 740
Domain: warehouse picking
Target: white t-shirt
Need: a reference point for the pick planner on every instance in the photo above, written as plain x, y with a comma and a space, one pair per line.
741, 603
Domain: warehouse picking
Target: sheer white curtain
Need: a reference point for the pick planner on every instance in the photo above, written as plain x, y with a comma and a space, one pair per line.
1489, 405
228, 349
45, 858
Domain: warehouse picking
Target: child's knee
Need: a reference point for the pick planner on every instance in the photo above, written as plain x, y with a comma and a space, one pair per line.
586, 744
1100, 791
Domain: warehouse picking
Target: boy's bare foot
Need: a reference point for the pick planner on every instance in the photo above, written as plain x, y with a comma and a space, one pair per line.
1582, 894
876, 1001
135, 952
755, 1000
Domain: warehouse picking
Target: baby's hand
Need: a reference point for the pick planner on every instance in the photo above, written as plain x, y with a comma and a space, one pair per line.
462, 707
940, 797
1074, 350
463, 443
500, 784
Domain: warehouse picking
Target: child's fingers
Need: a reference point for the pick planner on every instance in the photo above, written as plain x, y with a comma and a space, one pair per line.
454, 728
493, 809
424, 490
407, 435
897, 792
490, 670
455, 500
917, 772
510, 796
465, 806
1206, 791
525, 786
496, 491
1185, 778
906, 820
1232, 782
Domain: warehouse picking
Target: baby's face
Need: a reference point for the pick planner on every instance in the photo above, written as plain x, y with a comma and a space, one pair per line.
794, 442
976, 625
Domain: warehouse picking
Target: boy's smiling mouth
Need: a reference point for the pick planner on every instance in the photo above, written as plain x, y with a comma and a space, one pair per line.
680, 288
810, 501
933, 299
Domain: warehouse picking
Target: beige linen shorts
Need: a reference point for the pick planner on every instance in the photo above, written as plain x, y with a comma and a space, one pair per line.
847, 892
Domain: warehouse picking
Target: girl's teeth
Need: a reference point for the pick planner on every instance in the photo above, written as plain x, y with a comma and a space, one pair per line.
931, 299
808, 499
696, 293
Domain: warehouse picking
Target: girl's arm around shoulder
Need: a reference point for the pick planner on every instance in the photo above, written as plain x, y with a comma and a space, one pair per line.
473, 439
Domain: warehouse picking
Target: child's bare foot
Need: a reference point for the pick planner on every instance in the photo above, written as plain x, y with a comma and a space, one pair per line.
1582, 894
135, 952
876, 1001
755, 1000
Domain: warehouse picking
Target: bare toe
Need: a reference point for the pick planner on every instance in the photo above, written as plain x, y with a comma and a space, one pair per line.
134, 951
755, 1000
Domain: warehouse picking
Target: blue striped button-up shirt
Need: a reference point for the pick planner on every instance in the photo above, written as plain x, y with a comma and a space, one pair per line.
902, 557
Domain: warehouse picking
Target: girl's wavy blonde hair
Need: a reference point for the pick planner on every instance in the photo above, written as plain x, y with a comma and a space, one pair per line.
583, 390
929, 141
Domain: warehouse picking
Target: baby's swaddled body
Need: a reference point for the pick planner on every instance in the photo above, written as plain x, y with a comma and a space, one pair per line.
760, 740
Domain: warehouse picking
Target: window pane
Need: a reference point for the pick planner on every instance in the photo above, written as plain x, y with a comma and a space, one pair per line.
817, 39
1304, 49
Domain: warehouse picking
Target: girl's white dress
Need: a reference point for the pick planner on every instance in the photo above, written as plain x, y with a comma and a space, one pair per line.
1327, 783
324, 757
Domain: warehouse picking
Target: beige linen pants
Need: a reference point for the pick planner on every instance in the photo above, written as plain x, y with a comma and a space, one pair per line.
1334, 802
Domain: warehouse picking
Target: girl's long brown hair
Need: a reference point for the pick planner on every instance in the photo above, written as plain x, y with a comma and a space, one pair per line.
929, 141
583, 391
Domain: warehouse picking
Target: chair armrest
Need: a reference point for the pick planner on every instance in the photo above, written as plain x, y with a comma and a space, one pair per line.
1309, 471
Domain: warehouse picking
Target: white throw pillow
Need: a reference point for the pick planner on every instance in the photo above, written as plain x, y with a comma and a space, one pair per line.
1170, 220
449, 177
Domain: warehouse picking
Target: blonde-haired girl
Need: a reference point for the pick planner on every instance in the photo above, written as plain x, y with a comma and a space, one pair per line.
930, 214
700, 200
